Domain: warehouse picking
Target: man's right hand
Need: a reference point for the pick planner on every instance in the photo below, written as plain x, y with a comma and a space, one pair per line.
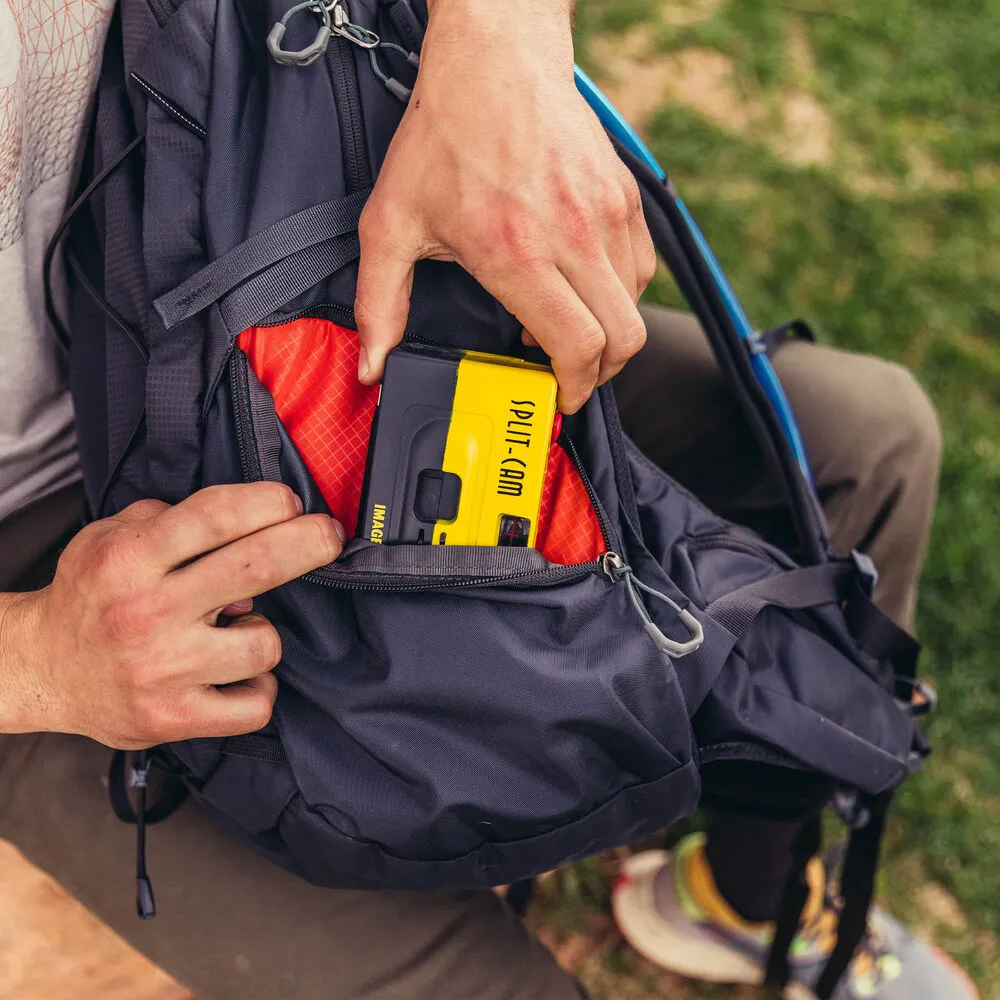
127, 645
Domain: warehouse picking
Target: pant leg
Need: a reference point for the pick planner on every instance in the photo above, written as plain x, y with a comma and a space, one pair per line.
874, 444
871, 433
232, 926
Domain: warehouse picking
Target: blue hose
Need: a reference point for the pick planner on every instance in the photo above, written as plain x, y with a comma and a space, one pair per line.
611, 118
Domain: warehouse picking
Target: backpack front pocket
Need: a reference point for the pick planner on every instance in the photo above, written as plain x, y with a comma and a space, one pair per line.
308, 368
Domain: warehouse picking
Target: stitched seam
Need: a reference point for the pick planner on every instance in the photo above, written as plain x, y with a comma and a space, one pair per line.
170, 107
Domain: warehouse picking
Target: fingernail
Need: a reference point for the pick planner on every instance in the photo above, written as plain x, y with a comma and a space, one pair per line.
363, 365
341, 533
298, 503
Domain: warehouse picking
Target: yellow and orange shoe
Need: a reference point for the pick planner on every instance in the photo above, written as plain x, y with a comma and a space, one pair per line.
670, 910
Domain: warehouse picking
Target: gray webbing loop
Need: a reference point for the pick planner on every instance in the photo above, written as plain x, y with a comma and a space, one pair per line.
329, 222
620, 571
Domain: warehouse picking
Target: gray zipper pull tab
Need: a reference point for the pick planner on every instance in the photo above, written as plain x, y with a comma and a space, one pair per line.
619, 571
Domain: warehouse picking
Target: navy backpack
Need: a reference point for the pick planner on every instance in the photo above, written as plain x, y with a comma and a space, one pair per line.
448, 717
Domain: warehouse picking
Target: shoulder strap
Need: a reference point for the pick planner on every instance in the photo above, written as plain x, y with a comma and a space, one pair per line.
743, 359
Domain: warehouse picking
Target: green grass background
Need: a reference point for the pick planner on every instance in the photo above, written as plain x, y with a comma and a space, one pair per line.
887, 242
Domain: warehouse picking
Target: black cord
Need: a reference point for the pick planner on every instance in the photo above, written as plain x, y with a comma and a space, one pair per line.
60, 328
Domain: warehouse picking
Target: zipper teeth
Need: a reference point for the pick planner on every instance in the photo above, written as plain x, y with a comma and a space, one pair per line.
350, 323
348, 99
553, 575
241, 393
607, 530
556, 575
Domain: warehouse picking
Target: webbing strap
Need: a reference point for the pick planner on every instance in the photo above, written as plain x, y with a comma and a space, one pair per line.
678, 247
255, 300
805, 847
796, 589
305, 230
857, 887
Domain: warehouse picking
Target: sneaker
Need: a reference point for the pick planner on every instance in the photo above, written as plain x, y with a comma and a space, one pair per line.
669, 909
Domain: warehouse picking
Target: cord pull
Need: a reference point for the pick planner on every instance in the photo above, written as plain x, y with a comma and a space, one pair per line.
145, 901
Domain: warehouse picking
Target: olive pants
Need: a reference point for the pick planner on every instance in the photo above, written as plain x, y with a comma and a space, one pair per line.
232, 926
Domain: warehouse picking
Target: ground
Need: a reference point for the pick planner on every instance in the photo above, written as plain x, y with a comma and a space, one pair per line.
842, 158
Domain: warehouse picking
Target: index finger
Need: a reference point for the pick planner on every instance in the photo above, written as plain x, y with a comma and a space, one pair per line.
217, 516
558, 320
254, 565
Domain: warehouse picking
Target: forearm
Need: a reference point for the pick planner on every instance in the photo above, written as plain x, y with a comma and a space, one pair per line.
478, 26
508, 8
23, 704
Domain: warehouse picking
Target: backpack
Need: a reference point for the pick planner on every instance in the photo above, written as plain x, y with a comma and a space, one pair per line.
448, 717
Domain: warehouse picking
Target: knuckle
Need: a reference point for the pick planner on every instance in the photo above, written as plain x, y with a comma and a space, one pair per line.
265, 646
373, 222
130, 620
142, 509
168, 719
328, 541
259, 712
633, 196
630, 343
111, 554
281, 497
615, 208
510, 237
590, 344
645, 267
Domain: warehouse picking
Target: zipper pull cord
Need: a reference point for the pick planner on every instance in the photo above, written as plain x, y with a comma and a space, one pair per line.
145, 903
619, 571
398, 90
312, 52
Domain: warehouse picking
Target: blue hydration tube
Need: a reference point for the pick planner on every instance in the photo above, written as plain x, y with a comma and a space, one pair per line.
611, 118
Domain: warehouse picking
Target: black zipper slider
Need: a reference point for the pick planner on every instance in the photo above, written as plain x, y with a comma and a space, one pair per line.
619, 571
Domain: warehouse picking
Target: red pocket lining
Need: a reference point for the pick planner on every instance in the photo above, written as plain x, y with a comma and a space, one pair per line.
310, 368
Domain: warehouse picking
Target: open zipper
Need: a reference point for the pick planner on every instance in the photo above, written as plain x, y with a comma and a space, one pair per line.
343, 578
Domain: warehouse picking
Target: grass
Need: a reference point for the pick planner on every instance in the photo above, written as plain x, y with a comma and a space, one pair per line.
877, 217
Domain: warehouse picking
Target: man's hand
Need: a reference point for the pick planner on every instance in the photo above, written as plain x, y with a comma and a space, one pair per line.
500, 165
126, 647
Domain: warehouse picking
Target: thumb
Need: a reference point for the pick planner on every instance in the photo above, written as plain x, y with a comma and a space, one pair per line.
382, 305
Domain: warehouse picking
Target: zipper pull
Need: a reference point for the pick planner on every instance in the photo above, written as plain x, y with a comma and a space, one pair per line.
342, 25
145, 903
334, 18
312, 52
618, 571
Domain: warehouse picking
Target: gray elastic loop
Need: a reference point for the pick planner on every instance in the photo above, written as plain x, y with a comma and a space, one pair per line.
666, 645
308, 55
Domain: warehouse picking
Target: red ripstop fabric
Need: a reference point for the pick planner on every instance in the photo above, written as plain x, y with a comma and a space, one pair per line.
310, 368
